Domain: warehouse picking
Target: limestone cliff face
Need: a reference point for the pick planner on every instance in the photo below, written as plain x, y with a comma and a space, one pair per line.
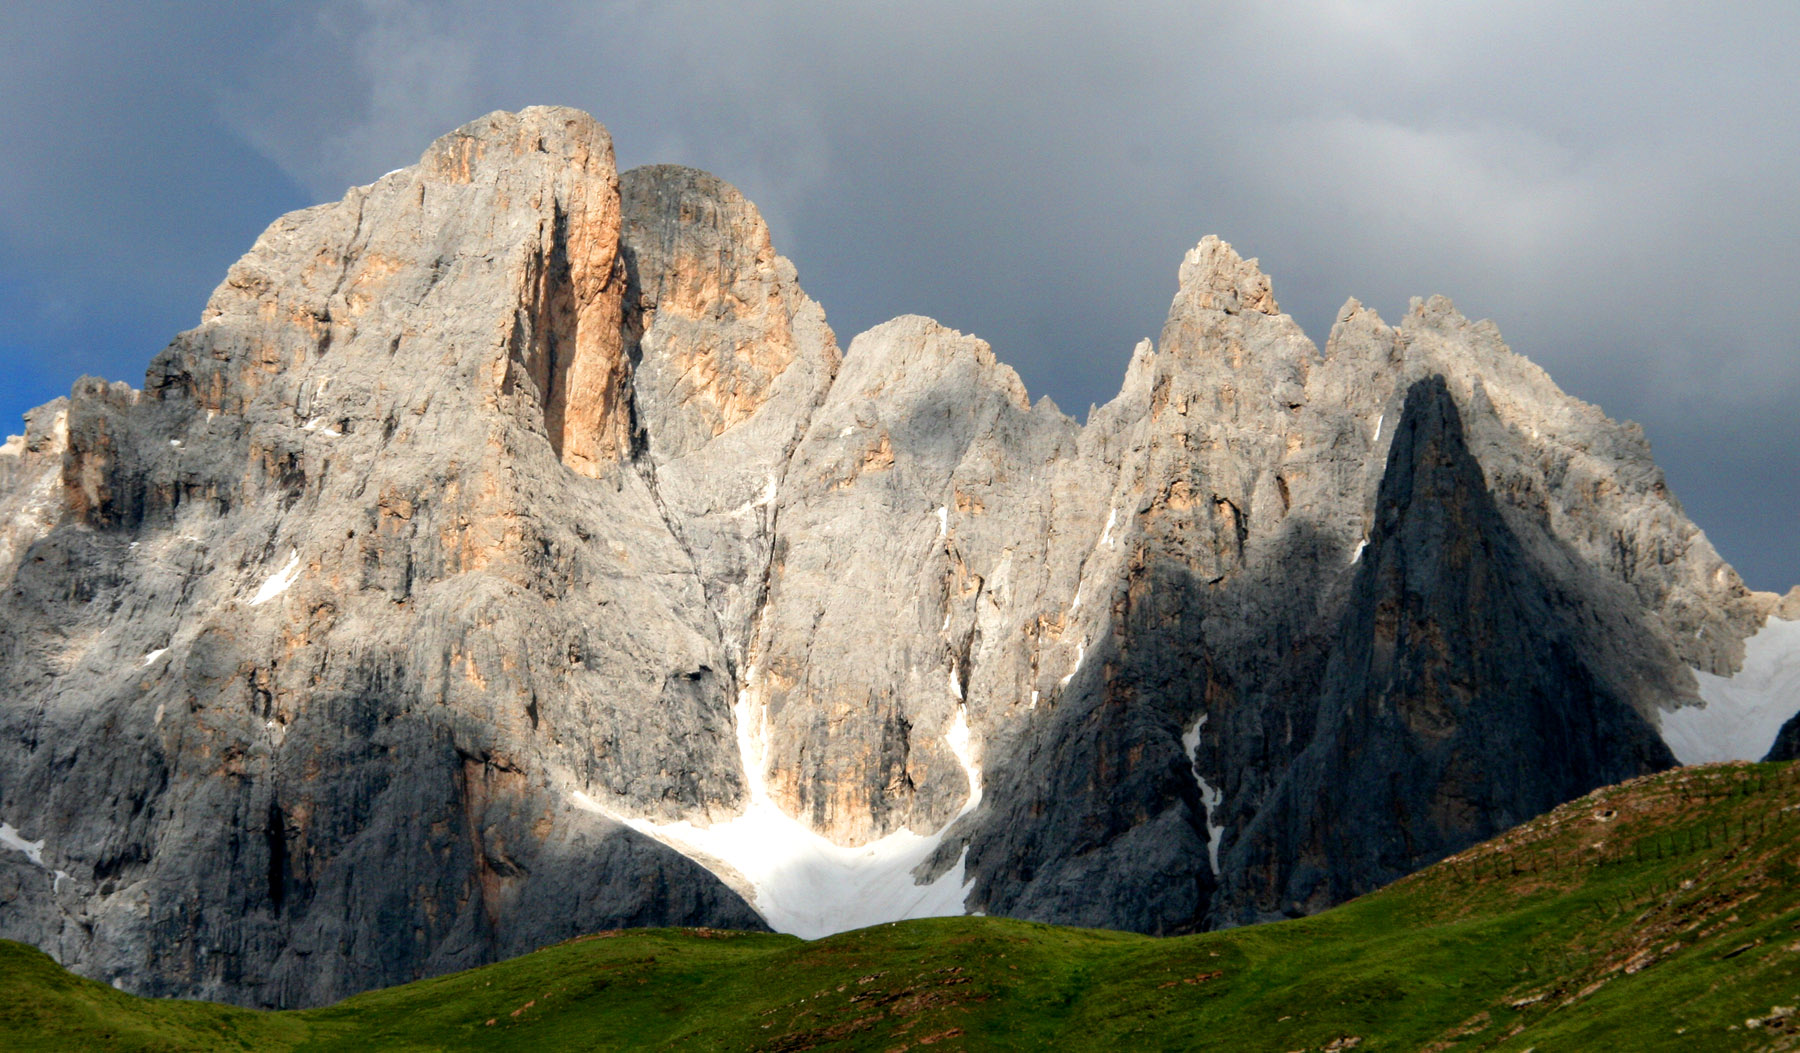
298, 687
511, 552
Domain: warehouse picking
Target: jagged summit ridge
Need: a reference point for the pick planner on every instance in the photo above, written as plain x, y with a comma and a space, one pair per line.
512, 552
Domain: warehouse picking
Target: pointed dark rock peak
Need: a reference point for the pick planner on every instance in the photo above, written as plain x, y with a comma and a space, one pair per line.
1456, 703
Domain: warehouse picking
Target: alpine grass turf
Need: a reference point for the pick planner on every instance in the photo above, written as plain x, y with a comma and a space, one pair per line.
1663, 913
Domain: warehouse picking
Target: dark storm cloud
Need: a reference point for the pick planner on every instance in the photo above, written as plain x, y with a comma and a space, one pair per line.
1618, 186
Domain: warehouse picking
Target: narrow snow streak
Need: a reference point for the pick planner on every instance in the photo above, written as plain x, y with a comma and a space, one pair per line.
1209, 797
943, 514
803, 883
279, 581
1743, 713
150, 659
1360, 545
1106, 537
1377, 436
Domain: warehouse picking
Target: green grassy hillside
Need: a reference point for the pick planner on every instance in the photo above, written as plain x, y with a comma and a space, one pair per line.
1660, 914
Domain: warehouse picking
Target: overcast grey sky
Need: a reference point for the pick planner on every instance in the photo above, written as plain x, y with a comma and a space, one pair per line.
1616, 185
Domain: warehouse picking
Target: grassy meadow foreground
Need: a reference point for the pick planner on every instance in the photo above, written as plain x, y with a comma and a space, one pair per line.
1660, 914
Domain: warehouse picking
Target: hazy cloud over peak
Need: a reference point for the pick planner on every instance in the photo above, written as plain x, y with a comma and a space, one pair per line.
1618, 186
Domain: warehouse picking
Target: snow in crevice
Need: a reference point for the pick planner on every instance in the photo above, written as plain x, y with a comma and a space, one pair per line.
1361, 544
955, 685
278, 582
943, 518
1076, 605
1106, 537
765, 500
1210, 797
318, 424
1377, 436
1743, 713
801, 882
150, 659
11, 838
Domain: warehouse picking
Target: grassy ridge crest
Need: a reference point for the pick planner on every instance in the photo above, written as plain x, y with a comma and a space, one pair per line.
1663, 913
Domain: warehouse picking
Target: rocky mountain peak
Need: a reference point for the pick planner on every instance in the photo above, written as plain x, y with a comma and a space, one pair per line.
1216, 278
511, 552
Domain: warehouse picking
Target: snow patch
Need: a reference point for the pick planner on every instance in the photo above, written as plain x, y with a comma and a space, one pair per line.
11, 838
151, 658
14, 447
1377, 436
847, 432
1360, 545
943, 514
1080, 653
279, 581
318, 424
765, 500
955, 685
803, 883
1106, 537
1742, 714
1210, 797
1034, 700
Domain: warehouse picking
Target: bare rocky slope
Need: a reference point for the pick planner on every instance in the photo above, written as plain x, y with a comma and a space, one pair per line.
511, 552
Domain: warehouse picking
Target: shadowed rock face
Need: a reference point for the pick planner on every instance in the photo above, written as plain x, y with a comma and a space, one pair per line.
1458, 699
511, 500
1787, 743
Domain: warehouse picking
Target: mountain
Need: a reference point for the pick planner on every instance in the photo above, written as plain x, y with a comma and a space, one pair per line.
511, 553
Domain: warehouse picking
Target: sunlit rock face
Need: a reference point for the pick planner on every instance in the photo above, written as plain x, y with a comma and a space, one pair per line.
511, 552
